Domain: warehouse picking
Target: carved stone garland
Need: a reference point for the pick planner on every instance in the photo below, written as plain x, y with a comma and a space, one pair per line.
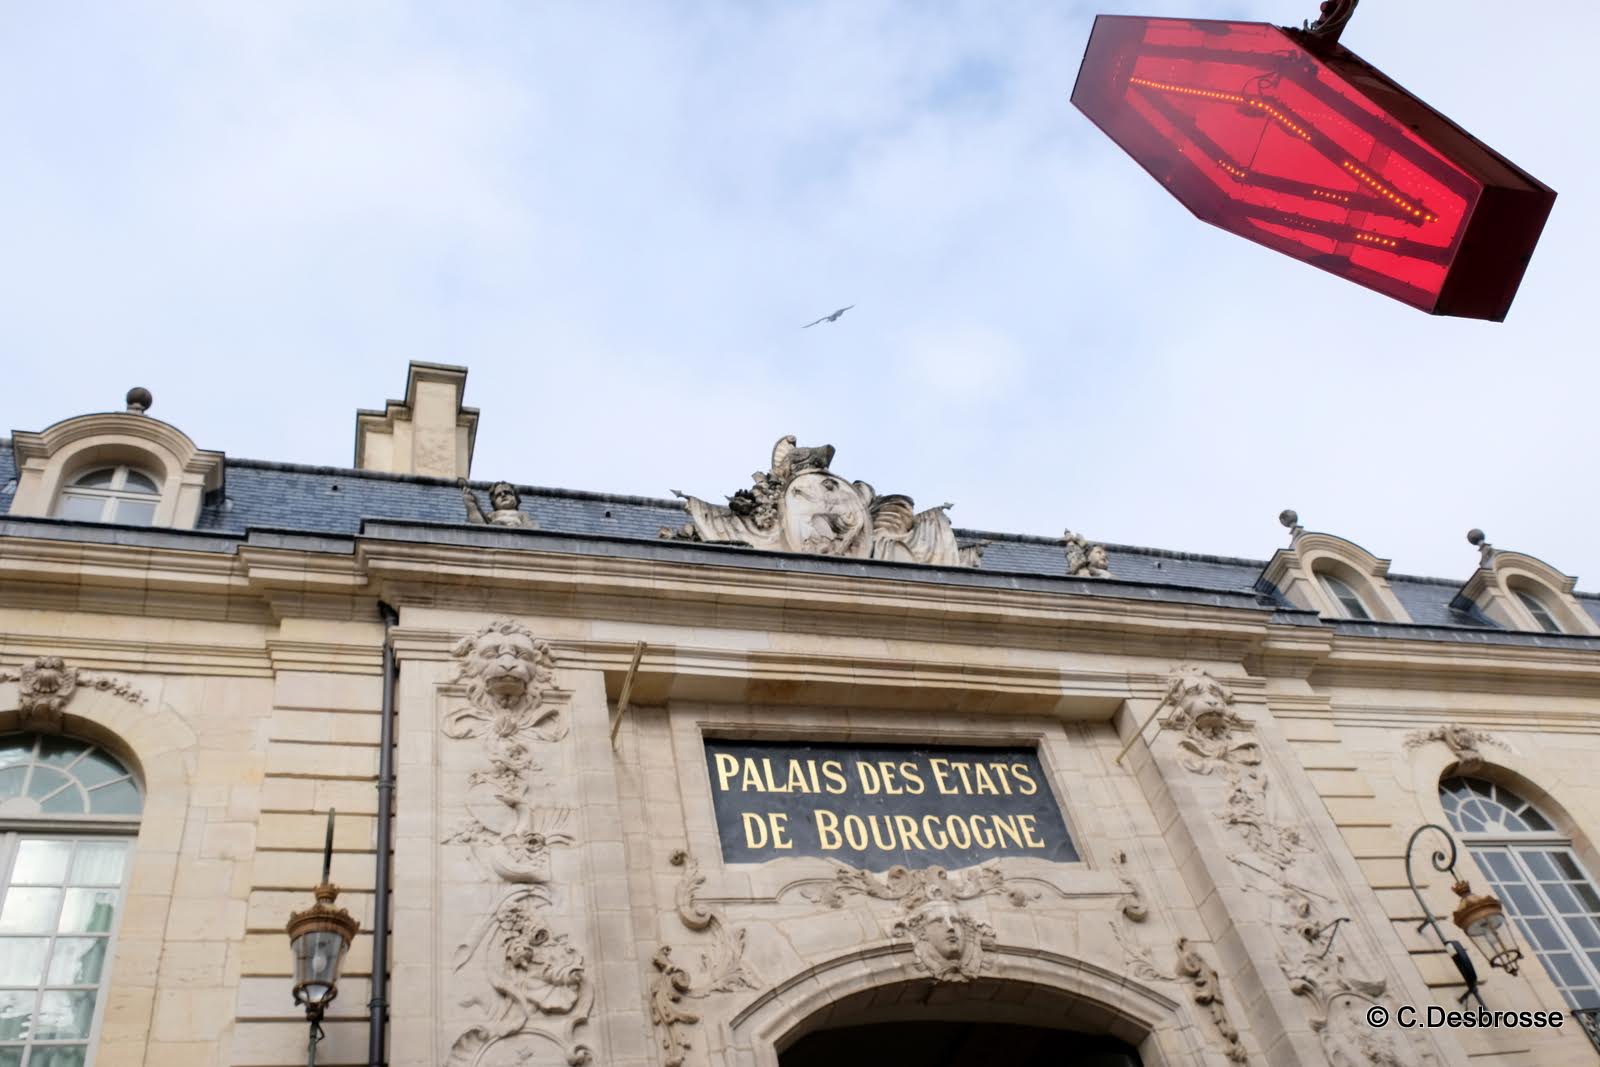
47, 685
722, 967
1462, 741
1273, 850
539, 985
947, 942
799, 505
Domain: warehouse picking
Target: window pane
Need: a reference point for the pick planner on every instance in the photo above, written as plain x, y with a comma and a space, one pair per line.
46, 780
1542, 932
99, 863
17, 748
11, 779
67, 802
41, 862
80, 508
140, 483
1499, 864
60, 751
1583, 930
58, 1056
22, 959
16, 1013
88, 911
1567, 970
97, 768
1586, 894
10, 1057
135, 512
64, 1014
77, 960
28, 911
119, 798
1562, 898
100, 479
1539, 863
1569, 866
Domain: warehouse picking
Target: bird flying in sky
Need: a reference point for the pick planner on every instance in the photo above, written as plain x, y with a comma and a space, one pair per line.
828, 318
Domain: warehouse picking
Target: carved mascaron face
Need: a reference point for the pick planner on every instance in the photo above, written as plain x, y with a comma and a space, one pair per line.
942, 926
1098, 558
503, 663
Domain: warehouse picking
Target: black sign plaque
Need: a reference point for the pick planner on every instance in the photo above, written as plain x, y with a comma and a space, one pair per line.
885, 805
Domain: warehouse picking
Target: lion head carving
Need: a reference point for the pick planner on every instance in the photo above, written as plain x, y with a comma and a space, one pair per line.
504, 665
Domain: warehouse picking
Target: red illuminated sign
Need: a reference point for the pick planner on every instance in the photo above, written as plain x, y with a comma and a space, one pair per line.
1318, 155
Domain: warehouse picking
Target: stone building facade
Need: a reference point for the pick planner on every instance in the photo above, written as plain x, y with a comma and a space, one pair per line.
808, 776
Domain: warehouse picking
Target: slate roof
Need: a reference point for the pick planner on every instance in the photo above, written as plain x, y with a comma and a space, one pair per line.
337, 501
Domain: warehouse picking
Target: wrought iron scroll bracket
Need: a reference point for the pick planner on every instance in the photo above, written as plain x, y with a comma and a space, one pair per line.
1331, 21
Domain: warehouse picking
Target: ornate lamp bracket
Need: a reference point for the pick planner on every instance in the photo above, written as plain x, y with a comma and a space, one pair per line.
1331, 21
1480, 918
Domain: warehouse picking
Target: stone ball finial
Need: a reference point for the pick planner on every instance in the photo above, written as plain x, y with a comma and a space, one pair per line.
1475, 537
1289, 518
139, 400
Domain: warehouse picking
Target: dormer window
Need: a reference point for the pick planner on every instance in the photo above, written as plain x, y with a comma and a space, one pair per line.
1541, 614
120, 494
1347, 598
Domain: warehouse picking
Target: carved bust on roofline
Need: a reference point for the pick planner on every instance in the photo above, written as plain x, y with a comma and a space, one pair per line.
1085, 559
505, 506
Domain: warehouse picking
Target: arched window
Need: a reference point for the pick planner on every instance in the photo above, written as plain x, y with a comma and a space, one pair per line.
1348, 599
1541, 614
68, 810
111, 494
1538, 878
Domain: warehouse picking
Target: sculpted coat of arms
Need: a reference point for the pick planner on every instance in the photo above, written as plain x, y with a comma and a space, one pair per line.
800, 505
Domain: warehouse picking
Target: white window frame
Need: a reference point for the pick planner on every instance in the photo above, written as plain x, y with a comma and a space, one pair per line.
1332, 584
12, 833
111, 496
1514, 845
15, 828
1543, 617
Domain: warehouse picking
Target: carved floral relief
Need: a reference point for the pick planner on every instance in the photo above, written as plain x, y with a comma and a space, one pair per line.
722, 965
1275, 860
1463, 742
537, 981
47, 685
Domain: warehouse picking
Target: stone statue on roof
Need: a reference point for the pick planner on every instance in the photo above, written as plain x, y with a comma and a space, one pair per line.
1085, 559
800, 505
505, 503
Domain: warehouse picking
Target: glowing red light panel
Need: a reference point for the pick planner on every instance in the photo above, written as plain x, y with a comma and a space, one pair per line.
1318, 155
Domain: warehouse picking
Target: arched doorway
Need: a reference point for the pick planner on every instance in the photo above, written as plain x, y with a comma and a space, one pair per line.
922, 1023
943, 1043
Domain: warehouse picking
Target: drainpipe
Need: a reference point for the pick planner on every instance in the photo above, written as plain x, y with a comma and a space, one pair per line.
378, 1006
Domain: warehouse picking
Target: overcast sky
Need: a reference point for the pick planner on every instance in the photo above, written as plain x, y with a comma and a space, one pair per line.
619, 214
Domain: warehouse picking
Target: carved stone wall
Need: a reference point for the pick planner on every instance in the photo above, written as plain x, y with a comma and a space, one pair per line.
1281, 906
509, 858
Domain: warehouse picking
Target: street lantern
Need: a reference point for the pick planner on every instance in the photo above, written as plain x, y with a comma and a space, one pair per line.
319, 937
1481, 918
1485, 922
